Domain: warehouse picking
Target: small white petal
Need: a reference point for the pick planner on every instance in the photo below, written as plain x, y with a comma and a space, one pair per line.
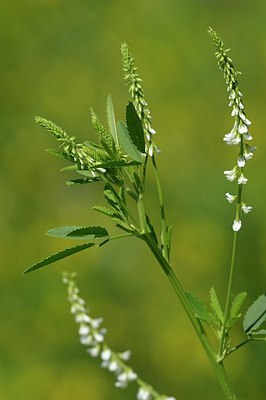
242, 180
114, 367
106, 354
94, 352
230, 198
236, 225
143, 394
86, 340
152, 131
247, 136
231, 175
241, 161
246, 209
84, 330
96, 322
98, 336
242, 128
125, 355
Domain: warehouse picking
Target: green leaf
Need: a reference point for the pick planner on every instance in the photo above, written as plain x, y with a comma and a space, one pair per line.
58, 256
73, 182
115, 164
199, 308
237, 304
168, 239
255, 315
89, 231
77, 232
151, 229
126, 142
135, 128
111, 120
260, 332
215, 305
104, 210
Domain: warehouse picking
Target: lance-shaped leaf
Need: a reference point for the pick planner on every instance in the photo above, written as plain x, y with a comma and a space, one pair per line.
78, 232
111, 120
126, 142
114, 164
89, 231
235, 308
73, 182
199, 308
255, 315
58, 256
215, 305
135, 128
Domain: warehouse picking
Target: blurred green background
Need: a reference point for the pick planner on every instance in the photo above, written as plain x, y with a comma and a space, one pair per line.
58, 58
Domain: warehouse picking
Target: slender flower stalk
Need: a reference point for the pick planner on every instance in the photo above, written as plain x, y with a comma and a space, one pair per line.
238, 136
92, 336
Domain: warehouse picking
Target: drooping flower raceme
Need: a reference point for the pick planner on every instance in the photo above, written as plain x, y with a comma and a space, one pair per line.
92, 335
239, 135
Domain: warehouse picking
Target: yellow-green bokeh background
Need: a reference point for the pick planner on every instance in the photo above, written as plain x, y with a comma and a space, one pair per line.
58, 58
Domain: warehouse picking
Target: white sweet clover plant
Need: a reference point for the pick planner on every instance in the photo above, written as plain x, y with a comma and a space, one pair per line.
120, 161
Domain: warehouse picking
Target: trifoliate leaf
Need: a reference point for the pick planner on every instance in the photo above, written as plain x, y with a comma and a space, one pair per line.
111, 120
135, 128
199, 308
58, 256
215, 305
255, 315
126, 142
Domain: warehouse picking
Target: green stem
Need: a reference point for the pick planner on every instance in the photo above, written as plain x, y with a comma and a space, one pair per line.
162, 208
200, 331
224, 333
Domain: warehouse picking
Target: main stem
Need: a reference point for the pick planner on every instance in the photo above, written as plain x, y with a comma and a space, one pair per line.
200, 331
223, 341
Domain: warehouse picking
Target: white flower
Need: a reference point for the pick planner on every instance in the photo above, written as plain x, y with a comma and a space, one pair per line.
246, 208
96, 322
242, 180
229, 197
125, 377
84, 330
98, 336
244, 118
94, 351
247, 136
231, 175
242, 128
86, 340
241, 161
82, 317
113, 367
248, 156
106, 354
236, 225
143, 394
125, 355
234, 111
232, 138
152, 131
